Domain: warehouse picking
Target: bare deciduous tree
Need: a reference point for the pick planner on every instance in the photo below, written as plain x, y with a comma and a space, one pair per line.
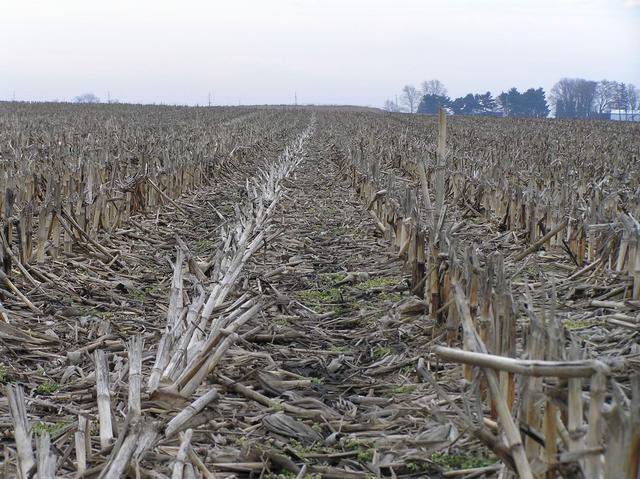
633, 95
87, 98
433, 87
410, 97
605, 96
578, 98
390, 106
573, 97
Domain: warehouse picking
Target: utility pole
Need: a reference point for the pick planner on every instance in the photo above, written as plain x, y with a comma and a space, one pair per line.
209, 98
109, 97
295, 98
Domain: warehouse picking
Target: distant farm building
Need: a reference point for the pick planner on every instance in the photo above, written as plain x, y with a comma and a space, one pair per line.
625, 115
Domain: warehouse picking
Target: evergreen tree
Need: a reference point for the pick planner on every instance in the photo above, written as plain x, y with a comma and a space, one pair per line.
514, 99
431, 103
503, 104
466, 105
487, 104
532, 103
622, 97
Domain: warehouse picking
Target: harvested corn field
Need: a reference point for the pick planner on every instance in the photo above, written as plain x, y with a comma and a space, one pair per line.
336, 293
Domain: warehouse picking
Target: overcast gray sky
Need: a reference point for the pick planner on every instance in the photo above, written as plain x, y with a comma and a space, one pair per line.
329, 51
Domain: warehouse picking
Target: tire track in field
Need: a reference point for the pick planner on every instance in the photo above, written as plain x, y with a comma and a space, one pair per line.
340, 342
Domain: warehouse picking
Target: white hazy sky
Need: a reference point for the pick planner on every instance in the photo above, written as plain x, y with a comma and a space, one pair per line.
329, 51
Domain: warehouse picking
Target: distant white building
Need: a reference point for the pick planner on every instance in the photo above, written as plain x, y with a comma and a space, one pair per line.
624, 115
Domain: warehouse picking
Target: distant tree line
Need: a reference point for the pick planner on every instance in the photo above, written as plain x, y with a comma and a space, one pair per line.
92, 98
580, 98
433, 95
570, 98
86, 98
